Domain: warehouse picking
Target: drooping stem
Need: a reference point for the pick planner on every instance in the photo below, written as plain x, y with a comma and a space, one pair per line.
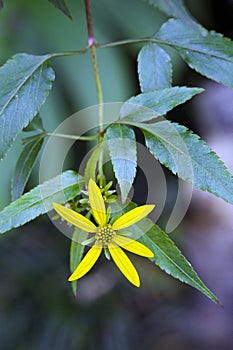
92, 46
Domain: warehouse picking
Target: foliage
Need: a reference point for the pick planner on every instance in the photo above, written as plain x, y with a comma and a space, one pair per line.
61, 5
122, 147
61, 189
26, 80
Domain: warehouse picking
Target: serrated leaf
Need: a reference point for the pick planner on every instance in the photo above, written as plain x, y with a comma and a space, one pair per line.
153, 104
90, 170
173, 8
186, 155
166, 254
122, 147
25, 81
76, 254
154, 68
61, 5
39, 200
169, 258
24, 166
209, 53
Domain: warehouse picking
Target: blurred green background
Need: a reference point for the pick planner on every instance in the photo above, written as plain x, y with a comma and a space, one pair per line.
37, 308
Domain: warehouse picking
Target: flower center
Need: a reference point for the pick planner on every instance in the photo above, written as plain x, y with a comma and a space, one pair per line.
104, 235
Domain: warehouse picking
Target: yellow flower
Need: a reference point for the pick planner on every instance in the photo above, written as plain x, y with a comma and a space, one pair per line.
105, 235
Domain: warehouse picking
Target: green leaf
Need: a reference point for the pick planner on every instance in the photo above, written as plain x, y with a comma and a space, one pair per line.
169, 258
186, 155
61, 5
35, 125
31, 139
25, 82
90, 170
60, 189
154, 68
209, 53
166, 254
76, 254
153, 104
24, 166
122, 147
173, 9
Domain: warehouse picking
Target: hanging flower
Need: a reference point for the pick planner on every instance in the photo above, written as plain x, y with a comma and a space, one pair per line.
107, 235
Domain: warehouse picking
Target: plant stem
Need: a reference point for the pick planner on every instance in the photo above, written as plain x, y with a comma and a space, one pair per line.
128, 41
68, 53
73, 137
92, 46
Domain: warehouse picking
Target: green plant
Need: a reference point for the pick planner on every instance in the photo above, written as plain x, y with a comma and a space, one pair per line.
26, 81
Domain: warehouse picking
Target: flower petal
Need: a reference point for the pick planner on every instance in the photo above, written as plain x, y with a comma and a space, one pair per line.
87, 263
74, 218
124, 264
97, 203
132, 216
133, 246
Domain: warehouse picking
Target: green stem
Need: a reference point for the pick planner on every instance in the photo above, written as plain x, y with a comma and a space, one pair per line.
92, 46
68, 53
73, 137
129, 41
98, 87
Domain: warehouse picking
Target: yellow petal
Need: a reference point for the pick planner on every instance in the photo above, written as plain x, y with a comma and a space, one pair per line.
133, 246
87, 263
74, 218
132, 217
124, 264
97, 203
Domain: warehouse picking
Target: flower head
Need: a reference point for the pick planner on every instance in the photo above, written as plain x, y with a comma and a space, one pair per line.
106, 235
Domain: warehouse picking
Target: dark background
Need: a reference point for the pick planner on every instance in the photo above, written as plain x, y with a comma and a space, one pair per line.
37, 308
